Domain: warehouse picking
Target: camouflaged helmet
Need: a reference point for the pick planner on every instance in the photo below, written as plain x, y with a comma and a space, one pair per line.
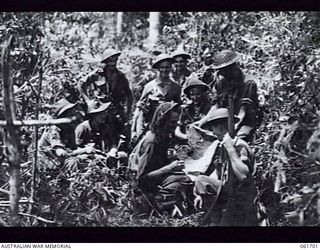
109, 53
160, 114
224, 58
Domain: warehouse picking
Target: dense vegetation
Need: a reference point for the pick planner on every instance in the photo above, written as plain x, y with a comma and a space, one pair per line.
53, 51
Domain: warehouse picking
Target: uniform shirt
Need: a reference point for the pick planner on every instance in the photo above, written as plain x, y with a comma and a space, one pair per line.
181, 78
54, 137
114, 87
192, 114
150, 154
235, 205
85, 134
246, 90
164, 91
156, 92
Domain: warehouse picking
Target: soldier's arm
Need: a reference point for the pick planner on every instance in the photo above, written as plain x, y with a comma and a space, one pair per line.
204, 119
241, 115
79, 136
145, 93
128, 94
86, 82
178, 133
172, 167
240, 168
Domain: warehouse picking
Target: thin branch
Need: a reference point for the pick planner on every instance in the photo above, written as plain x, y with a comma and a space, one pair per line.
39, 123
7, 203
4, 191
38, 218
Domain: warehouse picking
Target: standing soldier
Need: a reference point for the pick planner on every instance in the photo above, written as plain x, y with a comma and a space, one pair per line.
162, 89
110, 85
206, 72
241, 87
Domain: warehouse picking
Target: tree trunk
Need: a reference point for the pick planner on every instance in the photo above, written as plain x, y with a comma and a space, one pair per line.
12, 139
154, 23
119, 23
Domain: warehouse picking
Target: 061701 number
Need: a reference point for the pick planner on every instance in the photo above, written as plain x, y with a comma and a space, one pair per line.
308, 245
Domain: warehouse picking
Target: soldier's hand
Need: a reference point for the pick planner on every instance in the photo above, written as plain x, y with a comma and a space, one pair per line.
60, 152
89, 149
98, 71
227, 141
177, 165
198, 202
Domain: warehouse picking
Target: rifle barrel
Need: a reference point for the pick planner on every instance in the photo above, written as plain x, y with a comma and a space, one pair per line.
231, 115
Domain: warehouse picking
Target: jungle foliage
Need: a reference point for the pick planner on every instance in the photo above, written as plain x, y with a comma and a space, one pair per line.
281, 49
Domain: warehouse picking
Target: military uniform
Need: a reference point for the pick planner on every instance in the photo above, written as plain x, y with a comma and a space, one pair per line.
85, 135
235, 203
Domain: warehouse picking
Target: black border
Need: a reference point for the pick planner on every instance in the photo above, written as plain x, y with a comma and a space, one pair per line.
161, 235
160, 5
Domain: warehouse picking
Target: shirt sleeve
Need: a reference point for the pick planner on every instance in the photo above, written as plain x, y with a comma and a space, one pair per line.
246, 156
125, 85
88, 80
143, 153
79, 131
54, 138
145, 92
250, 93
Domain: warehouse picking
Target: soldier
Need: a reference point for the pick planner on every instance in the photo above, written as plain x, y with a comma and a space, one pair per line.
98, 131
239, 87
181, 72
95, 129
110, 85
58, 142
161, 180
161, 89
227, 188
196, 92
206, 73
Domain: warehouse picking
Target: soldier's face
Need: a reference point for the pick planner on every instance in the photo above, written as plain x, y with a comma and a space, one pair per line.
164, 69
77, 113
180, 63
172, 123
112, 62
196, 95
207, 60
220, 128
230, 72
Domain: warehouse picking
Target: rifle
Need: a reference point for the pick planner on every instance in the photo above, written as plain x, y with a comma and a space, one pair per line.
227, 221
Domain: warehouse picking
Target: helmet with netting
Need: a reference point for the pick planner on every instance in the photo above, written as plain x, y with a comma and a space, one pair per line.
224, 58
